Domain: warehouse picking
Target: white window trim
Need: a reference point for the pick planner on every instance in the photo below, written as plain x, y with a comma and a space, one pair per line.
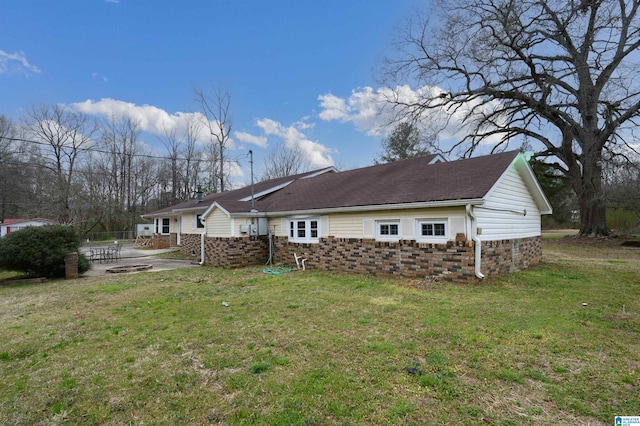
159, 225
307, 227
197, 221
385, 237
432, 238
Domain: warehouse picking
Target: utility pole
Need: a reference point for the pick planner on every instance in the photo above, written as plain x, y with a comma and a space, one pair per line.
253, 207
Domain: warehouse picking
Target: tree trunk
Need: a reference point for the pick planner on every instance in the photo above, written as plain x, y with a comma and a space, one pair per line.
593, 215
593, 208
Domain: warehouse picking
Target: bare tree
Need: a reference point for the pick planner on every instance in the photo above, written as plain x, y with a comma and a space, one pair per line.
172, 143
558, 73
216, 111
64, 136
622, 180
120, 142
10, 168
184, 160
283, 161
192, 158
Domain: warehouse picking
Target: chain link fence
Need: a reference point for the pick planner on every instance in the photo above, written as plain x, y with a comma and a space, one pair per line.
111, 236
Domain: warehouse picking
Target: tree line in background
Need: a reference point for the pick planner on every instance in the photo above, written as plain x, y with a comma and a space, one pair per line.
93, 175
100, 176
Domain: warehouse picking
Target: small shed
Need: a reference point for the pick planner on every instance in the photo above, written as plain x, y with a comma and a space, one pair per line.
144, 230
11, 225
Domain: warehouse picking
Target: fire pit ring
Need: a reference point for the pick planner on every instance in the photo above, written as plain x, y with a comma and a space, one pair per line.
128, 268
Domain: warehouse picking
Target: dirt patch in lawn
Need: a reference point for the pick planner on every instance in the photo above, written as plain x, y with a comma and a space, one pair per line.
605, 249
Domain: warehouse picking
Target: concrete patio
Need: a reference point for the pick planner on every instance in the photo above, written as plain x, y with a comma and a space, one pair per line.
130, 255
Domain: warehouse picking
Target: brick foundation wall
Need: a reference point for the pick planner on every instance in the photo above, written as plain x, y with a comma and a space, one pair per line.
236, 252
189, 244
453, 261
160, 241
450, 262
506, 256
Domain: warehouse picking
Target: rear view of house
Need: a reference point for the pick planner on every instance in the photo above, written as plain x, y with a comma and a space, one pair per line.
423, 217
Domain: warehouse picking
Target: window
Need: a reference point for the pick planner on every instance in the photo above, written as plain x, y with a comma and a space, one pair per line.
388, 230
304, 230
162, 226
432, 230
199, 223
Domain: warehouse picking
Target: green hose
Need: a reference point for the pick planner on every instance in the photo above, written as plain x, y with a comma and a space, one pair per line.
276, 270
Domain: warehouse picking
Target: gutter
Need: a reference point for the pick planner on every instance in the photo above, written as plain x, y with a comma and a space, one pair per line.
373, 207
476, 239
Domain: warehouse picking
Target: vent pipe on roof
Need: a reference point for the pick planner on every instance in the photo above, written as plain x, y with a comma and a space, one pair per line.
199, 194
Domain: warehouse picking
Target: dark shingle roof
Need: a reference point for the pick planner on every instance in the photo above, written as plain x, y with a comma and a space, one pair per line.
234, 195
407, 181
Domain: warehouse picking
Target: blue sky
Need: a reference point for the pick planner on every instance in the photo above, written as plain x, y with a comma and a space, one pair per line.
303, 73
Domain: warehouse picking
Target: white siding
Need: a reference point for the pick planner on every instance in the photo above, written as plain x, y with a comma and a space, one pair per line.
502, 215
218, 224
189, 225
280, 225
15, 226
362, 224
237, 223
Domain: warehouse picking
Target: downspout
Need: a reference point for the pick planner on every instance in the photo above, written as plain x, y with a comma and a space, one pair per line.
204, 231
476, 240
199, 196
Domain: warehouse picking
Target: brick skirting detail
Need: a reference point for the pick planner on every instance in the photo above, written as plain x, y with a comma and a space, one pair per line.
236, 252
450, 262
190, 244
453, 261
162, 241
506, 256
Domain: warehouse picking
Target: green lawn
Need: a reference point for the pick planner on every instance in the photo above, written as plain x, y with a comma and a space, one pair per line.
314, 348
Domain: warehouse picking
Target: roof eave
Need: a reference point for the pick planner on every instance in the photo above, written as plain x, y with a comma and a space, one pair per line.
214, 205
373, 207
176, 211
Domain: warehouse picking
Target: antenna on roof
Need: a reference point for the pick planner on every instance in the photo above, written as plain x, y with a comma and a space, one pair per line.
253, 207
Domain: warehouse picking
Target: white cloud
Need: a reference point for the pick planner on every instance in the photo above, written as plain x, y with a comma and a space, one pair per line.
97, 76
303, 123
16, 62
260, 141
371, 110
150, 118
316, 154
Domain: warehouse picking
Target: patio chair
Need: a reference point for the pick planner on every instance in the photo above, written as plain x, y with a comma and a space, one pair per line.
94, 254
117, 248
